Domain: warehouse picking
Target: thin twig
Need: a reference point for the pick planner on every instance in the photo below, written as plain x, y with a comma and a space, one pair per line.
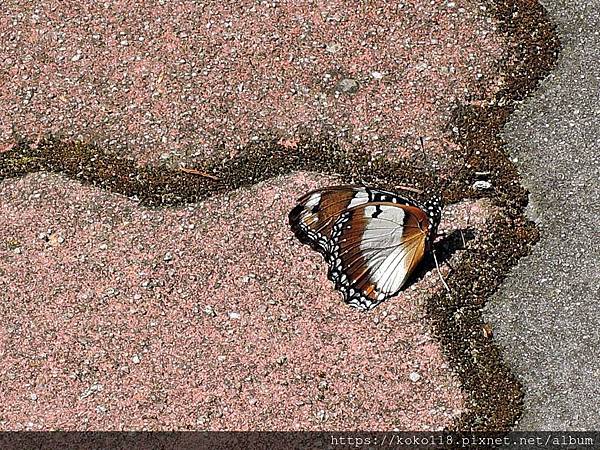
410, 189
197, 172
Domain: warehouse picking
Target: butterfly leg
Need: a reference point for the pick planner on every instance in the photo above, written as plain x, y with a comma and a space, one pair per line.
437, 266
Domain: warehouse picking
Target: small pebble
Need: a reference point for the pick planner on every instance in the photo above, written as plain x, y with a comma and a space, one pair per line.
96, 387
322, 415
234, 315
414, 377
332, 48
482, 185
201, 420
347, 85
136, 359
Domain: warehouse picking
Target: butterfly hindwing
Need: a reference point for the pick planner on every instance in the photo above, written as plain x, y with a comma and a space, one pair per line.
378, 247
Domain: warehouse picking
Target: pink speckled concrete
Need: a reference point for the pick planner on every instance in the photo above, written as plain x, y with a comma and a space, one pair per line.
115, 316
182, 79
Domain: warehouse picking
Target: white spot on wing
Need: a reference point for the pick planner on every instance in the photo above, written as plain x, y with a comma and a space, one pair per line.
313, 200
385, 230
359, 198
392, 273
382, 246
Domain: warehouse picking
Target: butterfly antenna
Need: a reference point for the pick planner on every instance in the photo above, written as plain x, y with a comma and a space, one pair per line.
468, 223
429, 163
467, 157
422, 142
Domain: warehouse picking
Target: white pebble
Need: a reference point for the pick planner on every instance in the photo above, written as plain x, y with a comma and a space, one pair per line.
414, 377
482, 185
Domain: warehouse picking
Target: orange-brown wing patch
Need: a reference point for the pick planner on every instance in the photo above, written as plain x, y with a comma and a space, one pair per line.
333, 202
415, 234
353, 258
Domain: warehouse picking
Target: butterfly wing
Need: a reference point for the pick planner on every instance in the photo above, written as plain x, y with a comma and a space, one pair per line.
371, 239
376, 248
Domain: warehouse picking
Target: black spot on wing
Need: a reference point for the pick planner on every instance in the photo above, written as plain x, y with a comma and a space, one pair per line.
298, 228
305, 234
378, 211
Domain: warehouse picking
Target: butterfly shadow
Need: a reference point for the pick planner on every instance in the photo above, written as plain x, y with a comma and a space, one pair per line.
444, 249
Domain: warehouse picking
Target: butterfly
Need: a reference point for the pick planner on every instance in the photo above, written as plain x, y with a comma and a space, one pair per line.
372, 239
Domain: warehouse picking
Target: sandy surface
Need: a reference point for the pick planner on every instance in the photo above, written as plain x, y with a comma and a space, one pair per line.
177, 80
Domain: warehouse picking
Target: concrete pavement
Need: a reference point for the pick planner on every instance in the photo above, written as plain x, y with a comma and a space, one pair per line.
82, 348
546, 314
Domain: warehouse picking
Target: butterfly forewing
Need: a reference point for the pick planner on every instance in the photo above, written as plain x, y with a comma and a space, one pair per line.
313, 219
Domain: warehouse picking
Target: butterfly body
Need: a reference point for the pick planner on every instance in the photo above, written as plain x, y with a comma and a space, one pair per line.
371, 239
